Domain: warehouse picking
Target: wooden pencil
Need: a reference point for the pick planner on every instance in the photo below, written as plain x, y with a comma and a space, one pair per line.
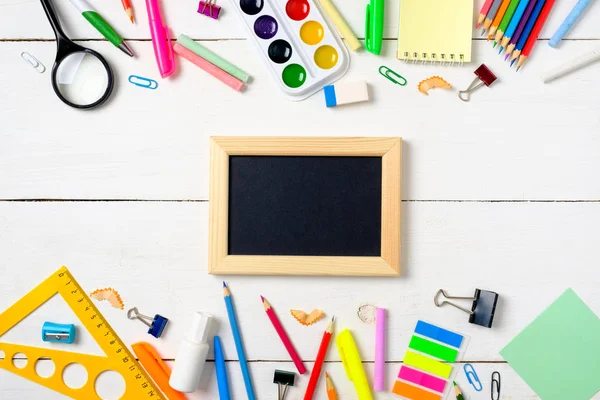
527, 31
128, 10
514, 23
483, 12
505, 21
458, 392
515, 39
331, 393
491, 15
535, 33
498, 18
318, 366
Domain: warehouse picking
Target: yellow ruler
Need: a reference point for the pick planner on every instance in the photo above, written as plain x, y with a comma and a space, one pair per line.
138, 386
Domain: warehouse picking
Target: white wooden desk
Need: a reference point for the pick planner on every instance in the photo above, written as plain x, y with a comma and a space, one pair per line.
501, 193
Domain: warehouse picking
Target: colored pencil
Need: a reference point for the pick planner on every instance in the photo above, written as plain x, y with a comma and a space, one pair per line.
483, 12
285, 339
491, 15
505, 21
239, 346
514, 23
527, 31
498, 18
535, 33
566, 25
457, 391
331, 393
128, 10
316, 372
515, 39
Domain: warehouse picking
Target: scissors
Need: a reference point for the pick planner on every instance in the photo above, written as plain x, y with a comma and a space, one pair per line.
81, 77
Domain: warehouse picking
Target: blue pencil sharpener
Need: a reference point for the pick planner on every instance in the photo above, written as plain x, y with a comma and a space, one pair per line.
58, 333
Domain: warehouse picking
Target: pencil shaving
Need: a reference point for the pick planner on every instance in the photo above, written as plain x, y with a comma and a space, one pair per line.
433, 82
307, 319
110, 295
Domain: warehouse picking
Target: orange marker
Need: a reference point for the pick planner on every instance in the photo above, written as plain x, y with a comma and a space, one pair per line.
128, 10
156, 368
331, 393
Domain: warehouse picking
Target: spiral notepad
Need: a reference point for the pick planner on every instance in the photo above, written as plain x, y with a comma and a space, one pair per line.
435, 31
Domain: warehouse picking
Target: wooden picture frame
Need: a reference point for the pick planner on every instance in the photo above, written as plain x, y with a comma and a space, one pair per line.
387, 264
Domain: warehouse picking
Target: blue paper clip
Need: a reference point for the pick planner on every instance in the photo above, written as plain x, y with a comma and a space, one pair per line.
472, 377
58, 333
143, 82
156, 325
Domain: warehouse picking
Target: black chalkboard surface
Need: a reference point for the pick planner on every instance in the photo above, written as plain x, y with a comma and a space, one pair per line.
305, 205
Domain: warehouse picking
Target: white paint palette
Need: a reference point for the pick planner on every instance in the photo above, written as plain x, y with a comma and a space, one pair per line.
301, 50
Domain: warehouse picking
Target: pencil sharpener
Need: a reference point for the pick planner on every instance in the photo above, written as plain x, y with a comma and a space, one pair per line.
58, 333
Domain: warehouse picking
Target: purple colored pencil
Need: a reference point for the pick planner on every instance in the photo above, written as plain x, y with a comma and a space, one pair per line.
515, 38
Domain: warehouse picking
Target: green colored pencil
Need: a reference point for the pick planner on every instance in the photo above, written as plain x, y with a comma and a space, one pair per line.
459, 395
510, 11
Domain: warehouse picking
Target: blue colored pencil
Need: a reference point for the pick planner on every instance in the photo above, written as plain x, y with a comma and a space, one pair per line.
514, 22
238, 343
222, 380
523, 39
520, 28
573, 16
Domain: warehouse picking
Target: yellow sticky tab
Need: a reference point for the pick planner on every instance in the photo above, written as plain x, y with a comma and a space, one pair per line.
427, 364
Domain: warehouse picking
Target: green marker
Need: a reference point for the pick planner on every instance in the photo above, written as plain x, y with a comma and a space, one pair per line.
374, 26
102, 26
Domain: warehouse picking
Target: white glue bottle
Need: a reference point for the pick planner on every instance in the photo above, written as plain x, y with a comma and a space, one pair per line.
191, 357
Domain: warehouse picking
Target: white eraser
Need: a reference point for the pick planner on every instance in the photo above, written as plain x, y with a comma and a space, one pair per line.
346, 93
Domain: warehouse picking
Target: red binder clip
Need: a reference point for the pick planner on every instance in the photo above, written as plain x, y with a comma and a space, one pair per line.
209, 8
484, 77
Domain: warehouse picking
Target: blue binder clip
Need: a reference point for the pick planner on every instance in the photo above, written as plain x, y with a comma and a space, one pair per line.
58, 333
156, 325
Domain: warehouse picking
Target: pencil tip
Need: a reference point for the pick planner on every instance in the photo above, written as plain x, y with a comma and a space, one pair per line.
494, 46
500, 50
506, 57
454, 383
482, 32
224, 284
326, 374
262, 299
518, 67
512, 62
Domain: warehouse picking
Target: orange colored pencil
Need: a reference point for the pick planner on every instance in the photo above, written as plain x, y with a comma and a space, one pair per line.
331, 393
498, 18
128, 10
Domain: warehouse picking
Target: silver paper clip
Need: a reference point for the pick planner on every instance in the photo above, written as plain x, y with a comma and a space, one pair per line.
34, 62
143, 82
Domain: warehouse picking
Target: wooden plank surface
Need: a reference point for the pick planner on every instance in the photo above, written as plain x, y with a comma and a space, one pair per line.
500, 193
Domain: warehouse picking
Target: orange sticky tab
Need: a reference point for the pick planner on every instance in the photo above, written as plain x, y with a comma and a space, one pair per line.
157, 369
413, 392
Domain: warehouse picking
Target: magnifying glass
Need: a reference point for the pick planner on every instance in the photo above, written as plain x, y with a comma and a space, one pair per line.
81, 77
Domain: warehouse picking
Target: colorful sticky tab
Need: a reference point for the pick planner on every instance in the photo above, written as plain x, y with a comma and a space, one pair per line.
433, 349
422, 379
427, 364
440, 334
413, 392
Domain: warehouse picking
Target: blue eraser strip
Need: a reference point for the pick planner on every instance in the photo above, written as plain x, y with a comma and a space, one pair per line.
330, 100
439, 334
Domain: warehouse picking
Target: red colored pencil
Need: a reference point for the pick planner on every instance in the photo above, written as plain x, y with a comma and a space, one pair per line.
128, 10
316, 372
535, 33
284, 337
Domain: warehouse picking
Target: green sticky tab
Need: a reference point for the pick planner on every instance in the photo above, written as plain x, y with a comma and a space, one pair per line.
427, 364
433, 349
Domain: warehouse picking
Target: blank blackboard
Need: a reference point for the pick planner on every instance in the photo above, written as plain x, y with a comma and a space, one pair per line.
304, 205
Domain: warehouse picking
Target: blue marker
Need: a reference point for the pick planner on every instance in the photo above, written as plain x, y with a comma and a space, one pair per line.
222, 379
568, 23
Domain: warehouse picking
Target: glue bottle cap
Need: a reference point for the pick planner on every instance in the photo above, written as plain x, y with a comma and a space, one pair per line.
200, 324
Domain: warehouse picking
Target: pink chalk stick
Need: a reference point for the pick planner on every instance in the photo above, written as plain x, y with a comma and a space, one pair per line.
215, 71
379, 378
420, 378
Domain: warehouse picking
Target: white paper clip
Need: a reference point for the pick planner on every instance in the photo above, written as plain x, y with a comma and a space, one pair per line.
34, 62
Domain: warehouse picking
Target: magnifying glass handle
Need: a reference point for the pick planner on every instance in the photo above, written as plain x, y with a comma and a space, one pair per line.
53, 18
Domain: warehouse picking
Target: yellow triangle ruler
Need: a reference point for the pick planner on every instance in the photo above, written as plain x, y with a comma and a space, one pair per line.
138, 386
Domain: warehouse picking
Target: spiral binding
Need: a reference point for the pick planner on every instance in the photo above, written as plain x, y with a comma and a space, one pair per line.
434, 58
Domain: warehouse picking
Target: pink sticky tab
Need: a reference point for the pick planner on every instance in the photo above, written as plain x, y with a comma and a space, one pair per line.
422, 379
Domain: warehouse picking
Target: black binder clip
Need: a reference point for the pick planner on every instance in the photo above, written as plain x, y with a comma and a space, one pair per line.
483, 308
283, 379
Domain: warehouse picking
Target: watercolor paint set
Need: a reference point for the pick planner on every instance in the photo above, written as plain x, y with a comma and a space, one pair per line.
301, 50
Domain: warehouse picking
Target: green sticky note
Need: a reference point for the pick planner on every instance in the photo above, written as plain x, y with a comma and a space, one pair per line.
433, 349
558, 354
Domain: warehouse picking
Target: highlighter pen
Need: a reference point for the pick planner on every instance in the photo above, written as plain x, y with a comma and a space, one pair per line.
374, 26
353, 364
161, 40
222, 380
101, 25
156, 368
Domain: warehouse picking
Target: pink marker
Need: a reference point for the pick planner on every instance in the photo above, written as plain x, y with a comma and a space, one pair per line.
161, 40
379, 378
